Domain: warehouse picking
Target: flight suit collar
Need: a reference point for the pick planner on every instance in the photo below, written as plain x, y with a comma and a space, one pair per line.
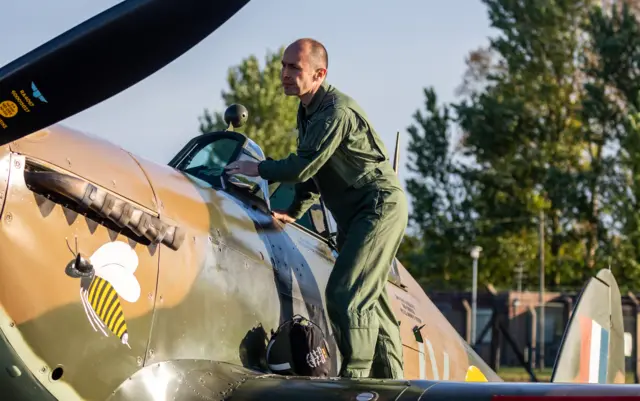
316, 100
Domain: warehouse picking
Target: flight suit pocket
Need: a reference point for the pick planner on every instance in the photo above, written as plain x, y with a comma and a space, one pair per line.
373, 195
389, 203
368, 178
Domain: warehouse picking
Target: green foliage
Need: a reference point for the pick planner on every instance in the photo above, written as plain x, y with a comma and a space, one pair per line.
550, 124
272, 115
437, 211
614, 107
524, 131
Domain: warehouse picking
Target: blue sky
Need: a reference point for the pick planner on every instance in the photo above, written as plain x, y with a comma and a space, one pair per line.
383, 55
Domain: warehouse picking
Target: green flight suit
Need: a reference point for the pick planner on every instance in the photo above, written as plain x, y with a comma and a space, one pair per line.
341, 153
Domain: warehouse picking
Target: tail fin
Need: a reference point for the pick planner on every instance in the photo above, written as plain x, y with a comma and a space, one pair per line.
592, 350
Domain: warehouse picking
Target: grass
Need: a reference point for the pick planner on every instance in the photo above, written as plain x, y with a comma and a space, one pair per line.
519, 374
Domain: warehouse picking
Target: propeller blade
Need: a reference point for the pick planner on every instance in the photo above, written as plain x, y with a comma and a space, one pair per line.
100, 58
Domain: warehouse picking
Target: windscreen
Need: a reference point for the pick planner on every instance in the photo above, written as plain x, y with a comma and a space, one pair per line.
211, 159
209, 162
257, 185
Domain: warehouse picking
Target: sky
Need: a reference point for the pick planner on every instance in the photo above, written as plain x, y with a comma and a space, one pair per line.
383, 55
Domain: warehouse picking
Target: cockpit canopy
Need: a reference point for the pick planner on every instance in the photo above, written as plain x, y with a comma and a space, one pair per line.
206, 156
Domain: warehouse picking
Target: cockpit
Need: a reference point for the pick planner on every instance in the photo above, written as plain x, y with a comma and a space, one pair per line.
206, 156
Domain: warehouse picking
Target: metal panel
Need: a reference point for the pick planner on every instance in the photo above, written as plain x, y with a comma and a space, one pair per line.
44, 317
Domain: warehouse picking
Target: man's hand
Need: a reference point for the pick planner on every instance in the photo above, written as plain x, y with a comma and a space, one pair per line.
283, 216
244, 167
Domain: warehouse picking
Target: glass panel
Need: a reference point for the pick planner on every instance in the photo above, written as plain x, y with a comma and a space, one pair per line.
208, 164
253, 183
214, 156
483, 316
282, 198
554, 322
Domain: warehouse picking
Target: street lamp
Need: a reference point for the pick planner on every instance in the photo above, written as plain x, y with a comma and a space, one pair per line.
475, 254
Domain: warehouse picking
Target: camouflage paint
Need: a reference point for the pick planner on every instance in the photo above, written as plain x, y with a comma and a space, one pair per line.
205, 309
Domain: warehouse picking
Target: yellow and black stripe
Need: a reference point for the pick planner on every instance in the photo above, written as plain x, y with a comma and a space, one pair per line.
104, 300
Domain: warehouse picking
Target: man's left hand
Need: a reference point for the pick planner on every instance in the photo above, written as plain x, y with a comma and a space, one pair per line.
244, 167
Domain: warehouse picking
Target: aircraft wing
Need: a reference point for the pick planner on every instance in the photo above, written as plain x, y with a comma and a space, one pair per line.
369, 390
200, 380
100, 58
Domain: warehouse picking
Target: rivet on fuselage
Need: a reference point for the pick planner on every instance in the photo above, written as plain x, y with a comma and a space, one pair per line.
8, 218
14, 371
17, 164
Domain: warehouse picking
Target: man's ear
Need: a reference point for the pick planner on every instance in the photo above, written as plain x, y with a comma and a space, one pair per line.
321, 73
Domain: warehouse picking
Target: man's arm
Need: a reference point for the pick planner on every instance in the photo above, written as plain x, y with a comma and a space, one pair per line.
323, 136
306, 194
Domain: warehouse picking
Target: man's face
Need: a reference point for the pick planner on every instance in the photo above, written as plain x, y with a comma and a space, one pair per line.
298, 74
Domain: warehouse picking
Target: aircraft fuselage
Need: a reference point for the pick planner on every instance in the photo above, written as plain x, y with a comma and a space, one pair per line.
229, 276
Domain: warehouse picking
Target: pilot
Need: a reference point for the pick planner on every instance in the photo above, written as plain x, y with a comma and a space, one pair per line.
341, 157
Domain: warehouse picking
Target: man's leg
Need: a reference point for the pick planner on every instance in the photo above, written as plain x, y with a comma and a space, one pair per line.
388, 361
359, 278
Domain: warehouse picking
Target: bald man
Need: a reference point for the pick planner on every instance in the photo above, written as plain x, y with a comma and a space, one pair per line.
341, 158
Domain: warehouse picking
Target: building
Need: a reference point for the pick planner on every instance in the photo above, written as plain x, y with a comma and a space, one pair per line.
520, 312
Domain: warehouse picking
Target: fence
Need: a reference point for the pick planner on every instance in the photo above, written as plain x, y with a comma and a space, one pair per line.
518, 314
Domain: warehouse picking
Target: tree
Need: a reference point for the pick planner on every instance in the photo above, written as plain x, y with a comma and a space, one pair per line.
523, 143
612, 107
550, 122
481, 64
272, 115
439, 213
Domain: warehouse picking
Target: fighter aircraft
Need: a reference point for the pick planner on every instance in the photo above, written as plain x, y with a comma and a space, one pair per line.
125, 279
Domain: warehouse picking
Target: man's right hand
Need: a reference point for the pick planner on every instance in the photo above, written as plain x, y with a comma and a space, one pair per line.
283, 216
